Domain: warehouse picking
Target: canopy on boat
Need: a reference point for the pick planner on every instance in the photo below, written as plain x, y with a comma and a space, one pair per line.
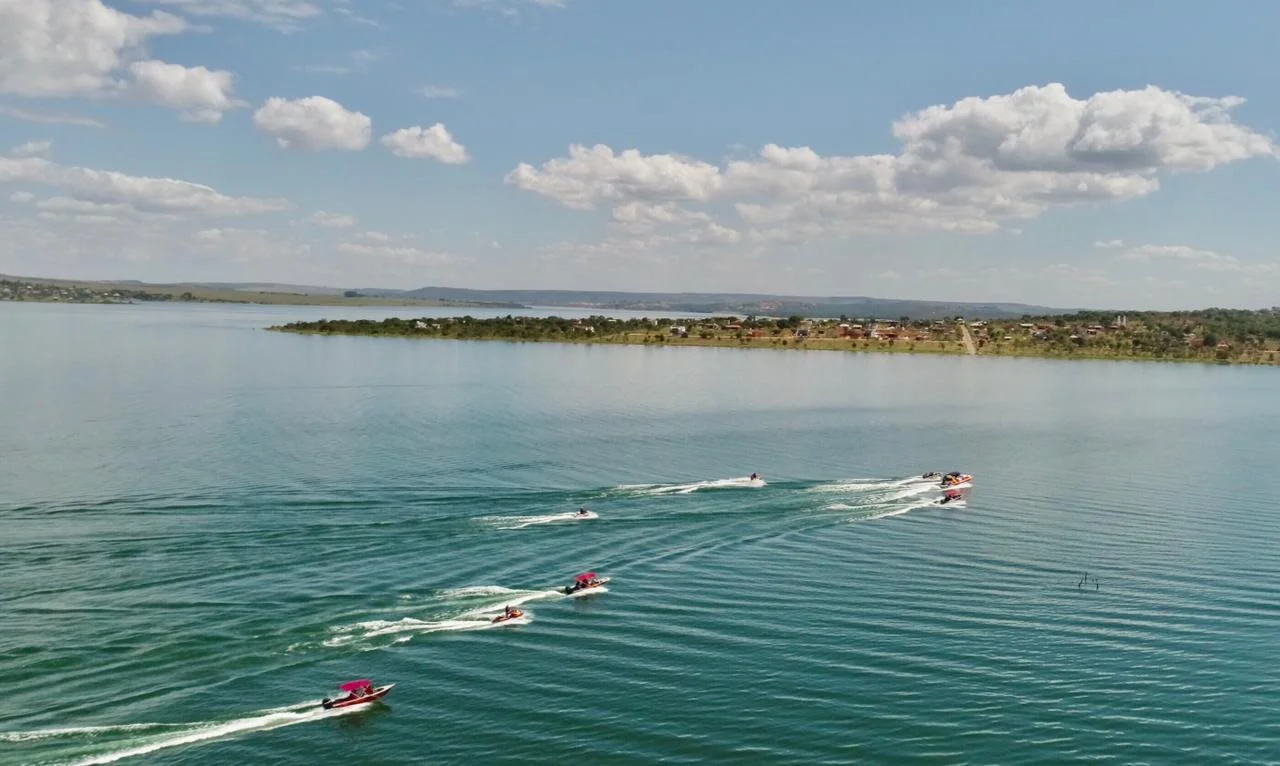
351, 686
585, 576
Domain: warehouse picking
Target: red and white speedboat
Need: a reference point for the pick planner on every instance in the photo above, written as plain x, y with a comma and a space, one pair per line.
360, 692
583, 584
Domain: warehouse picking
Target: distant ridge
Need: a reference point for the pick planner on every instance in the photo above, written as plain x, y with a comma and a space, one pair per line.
746, 304
733, 303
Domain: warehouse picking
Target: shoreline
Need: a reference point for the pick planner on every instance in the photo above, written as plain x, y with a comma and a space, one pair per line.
468, 329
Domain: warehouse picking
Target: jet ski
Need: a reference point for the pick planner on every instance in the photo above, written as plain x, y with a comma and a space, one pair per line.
511, 613
955, 479
583, 584
359, 692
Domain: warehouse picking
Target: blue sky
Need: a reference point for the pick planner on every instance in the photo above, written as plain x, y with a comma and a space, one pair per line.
1091, 154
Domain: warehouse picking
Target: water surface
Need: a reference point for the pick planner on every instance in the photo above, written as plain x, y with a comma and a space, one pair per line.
205, 527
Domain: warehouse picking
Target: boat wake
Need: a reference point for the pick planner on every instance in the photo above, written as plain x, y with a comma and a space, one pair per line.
524, 522
87, 745
685, 489
871, 499
370, 635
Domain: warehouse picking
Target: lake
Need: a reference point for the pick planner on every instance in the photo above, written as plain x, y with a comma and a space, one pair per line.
206, 527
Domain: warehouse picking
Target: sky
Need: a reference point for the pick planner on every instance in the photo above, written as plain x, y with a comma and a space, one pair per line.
1087, 154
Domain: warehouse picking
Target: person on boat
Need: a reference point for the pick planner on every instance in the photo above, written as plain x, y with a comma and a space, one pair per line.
930, 475
511, 611
368, 689
583, 511
754, 476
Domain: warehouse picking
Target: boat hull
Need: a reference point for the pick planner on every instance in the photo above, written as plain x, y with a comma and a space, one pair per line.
579, 592
367, 699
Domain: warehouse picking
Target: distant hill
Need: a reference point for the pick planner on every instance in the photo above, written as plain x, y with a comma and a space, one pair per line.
745, 304
732, 303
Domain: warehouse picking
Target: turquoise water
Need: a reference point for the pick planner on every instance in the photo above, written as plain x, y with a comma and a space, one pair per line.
205, 527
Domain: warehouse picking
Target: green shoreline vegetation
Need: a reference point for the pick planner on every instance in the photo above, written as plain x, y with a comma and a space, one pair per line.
1224, 336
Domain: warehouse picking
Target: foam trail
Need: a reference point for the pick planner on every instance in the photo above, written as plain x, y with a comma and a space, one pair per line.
684, 489
522, 522
869, 485
480, 618
167, 735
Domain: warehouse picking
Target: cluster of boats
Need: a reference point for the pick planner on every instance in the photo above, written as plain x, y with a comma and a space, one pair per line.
953, 485
362, 692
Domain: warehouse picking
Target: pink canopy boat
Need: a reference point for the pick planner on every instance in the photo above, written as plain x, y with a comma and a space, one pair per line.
359, 692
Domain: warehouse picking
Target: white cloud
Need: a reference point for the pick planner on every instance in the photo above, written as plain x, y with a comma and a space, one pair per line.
245, 245
69, 205
357, 18
711, 234
1174, 253
330, 220
201, 94
400, 253
32, 149
966, 167
1195, 258
313, 124
438, 91
70, 47
1109, 244
509, 8
58, 48
321, 68
641, 215
283, 14
141, 193
378, 236
49, 119
597, 173
21, 197
434, 142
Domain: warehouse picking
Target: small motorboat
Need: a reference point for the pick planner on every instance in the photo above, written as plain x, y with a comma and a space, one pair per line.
583, 583
511, 613
361, 692
955, 479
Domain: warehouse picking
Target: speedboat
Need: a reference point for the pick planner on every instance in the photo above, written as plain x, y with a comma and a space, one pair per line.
361, 692
955, 479
584, 584
510, 614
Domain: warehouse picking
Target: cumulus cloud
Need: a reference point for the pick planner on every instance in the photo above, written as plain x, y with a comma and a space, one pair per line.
641, 215
140, 193
965, 167
58, 48
201, 94
21, 197
313, 124
590, 174
433, 142
71, 47
330, 220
